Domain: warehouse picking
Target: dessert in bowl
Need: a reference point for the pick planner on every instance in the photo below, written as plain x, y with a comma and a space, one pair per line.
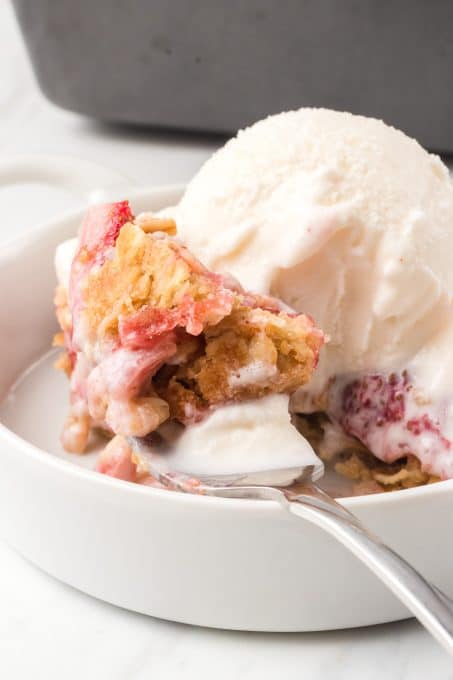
165, 553
321, 216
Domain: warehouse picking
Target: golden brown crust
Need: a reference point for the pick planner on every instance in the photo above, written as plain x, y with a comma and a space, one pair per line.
278, 350
144, 271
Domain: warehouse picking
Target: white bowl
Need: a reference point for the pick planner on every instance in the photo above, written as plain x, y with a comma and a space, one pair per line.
225, 563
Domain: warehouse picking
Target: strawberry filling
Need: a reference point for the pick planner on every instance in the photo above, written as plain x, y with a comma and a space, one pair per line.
140, 330
101, 226
390, 417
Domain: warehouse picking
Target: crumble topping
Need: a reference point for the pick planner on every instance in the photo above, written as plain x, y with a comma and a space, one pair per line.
151, 334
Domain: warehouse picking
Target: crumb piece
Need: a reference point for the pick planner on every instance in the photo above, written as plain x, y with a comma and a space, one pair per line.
75, 434
58, 340
117, 460
136, 417
63, 363
149, 223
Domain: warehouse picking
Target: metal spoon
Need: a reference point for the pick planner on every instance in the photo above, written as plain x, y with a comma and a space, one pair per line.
431, 607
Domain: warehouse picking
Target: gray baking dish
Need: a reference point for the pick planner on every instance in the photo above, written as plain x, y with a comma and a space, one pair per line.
217, 65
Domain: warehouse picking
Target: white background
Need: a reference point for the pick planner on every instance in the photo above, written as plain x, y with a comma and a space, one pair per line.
48, 630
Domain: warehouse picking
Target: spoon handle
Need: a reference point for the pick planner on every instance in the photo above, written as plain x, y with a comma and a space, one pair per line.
431, 607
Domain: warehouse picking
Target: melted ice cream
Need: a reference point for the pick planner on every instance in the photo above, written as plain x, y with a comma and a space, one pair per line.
254, 436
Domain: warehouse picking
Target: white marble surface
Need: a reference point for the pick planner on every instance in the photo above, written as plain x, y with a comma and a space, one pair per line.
48, 630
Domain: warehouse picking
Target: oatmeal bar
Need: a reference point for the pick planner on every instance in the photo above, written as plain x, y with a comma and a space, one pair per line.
150, 334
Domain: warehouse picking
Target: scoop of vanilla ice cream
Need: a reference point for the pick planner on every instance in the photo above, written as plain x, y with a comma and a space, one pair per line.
342, 217
243, 438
